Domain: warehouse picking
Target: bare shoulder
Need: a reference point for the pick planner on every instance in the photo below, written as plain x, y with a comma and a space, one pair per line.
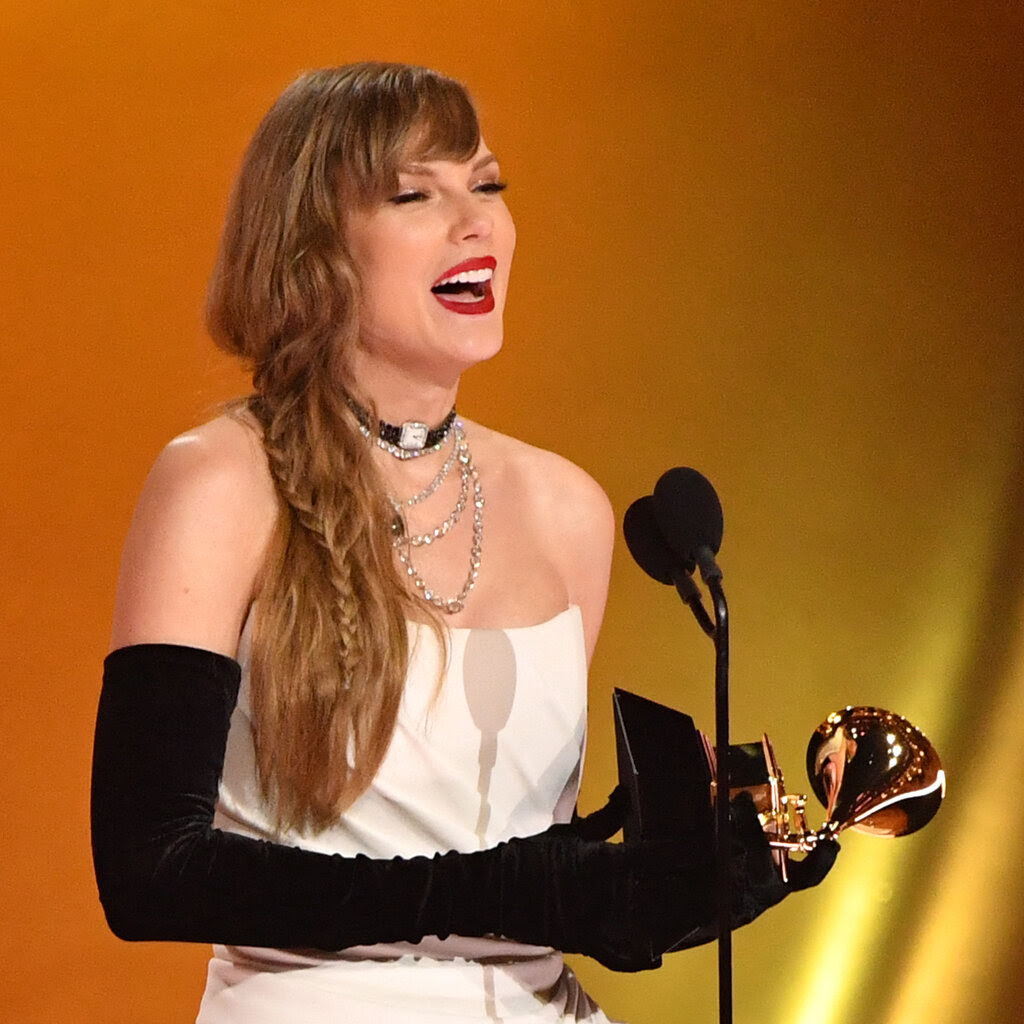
197, 539
566, 513
214, 476
551, 483
222, 456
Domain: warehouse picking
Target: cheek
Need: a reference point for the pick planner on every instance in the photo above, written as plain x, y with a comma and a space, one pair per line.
392, 296
507, 235
397, 257
509, 231
387, 279
378, 253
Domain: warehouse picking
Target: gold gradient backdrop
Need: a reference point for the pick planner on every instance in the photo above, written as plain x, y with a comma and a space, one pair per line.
780, 242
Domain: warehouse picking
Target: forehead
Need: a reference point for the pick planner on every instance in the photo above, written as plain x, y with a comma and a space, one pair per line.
414, 162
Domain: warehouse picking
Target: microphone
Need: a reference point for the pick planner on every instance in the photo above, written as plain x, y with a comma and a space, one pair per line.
651, 551
688, 515
648, 546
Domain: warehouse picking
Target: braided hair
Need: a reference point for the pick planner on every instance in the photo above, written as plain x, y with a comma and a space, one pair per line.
330, 639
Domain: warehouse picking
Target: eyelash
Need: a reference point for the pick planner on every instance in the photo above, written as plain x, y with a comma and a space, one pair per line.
415, 196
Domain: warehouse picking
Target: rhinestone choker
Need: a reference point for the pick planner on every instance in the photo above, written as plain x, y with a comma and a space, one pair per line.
408, 440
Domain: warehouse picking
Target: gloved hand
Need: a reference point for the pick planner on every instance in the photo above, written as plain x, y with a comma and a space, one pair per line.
661, 897
758, 880
757, 883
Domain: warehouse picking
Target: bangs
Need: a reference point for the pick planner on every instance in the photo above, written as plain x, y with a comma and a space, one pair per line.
397, 114
446, 128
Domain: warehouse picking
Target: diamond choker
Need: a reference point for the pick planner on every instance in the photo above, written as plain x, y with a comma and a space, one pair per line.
408, 440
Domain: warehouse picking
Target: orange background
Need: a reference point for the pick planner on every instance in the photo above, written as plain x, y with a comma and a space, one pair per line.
780, 242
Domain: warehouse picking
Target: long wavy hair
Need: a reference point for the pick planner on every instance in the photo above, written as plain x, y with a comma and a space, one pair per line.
330, 646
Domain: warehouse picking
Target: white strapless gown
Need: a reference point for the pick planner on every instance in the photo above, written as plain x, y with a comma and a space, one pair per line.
496, 752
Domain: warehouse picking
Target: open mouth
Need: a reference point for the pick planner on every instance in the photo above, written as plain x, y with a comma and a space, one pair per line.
466, 287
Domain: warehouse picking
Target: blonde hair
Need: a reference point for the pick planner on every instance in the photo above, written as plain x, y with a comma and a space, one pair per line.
330, 648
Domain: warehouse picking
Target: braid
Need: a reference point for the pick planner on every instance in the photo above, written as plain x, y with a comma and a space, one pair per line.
318, 657
330, 641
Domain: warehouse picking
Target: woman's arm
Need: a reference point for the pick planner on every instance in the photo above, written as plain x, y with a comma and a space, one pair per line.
164, 871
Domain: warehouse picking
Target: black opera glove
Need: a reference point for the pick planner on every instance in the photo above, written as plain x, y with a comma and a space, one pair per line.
606, 821
757, 884
164, 871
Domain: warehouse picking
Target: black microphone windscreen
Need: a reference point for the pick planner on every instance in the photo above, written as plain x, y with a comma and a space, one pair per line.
648, 547
687, 512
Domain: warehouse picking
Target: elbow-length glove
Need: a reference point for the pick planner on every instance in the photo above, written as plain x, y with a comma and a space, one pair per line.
164, 871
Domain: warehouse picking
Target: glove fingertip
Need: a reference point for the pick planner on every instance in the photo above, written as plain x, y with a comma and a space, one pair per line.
815, 866
602, 824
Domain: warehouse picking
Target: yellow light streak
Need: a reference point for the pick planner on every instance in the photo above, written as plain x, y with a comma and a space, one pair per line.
977, 888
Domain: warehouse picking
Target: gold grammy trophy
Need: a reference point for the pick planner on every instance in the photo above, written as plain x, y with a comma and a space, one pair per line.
872, 770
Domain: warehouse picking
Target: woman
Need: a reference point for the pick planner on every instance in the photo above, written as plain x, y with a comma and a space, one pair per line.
352, 629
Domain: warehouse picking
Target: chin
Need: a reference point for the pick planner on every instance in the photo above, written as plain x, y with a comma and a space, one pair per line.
487, 346
468, 356
478, 343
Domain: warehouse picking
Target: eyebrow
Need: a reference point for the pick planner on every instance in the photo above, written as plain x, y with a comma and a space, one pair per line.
417, 168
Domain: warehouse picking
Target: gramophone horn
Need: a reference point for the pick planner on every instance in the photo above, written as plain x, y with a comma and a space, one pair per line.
875, 772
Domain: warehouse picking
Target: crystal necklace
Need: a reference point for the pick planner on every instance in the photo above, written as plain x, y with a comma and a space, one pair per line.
438, 479
403, 542
404, 539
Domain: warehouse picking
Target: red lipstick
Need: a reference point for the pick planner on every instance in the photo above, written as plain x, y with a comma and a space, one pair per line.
466, 287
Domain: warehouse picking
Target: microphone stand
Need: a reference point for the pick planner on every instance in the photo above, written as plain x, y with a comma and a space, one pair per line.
712, 576
689, 593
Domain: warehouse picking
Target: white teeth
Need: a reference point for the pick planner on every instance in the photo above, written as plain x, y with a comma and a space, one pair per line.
468, 277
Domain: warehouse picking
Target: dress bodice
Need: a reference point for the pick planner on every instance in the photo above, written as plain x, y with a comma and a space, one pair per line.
488, 744
486, 747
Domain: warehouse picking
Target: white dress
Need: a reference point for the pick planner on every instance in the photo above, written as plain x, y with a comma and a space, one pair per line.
493, 750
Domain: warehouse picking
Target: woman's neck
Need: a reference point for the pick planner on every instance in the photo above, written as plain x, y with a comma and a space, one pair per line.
399, 397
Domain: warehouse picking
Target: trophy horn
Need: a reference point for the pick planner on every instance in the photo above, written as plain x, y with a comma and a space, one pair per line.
873, 771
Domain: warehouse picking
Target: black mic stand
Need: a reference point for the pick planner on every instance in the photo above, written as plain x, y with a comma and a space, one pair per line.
681, 492
712, 576
689, 593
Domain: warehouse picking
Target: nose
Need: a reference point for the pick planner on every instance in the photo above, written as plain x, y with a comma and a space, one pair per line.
471, 219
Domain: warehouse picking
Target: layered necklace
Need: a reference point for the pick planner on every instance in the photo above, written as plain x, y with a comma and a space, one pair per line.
411, 440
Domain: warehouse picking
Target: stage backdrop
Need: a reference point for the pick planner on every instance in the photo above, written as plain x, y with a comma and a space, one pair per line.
780, 242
